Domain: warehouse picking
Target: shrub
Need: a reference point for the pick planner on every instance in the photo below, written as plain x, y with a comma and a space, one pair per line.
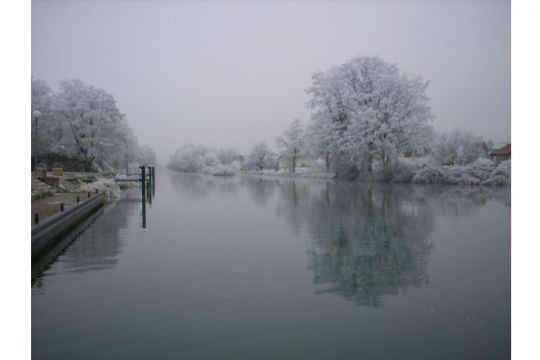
431, 174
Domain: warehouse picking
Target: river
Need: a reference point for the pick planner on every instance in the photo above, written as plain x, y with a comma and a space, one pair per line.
276, 268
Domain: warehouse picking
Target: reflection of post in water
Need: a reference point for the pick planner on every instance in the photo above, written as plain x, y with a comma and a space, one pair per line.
149, 189
143, 190
153, 181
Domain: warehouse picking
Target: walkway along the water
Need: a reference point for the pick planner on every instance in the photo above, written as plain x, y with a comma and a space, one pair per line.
54, 227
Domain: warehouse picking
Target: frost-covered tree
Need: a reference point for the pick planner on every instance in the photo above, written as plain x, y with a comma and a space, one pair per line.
260, 157
319, 141
45, 128
188, 158
210, 159
226, 156
365, 110
459, 147
147, 155
192, 158
291, 144
92, 125
83, 124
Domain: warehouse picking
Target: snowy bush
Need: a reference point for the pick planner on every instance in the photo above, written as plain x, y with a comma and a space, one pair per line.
466, 179
501, 176
497, 180
430, 175
482, 162
219, 170
480, 172
105, 186
503, 169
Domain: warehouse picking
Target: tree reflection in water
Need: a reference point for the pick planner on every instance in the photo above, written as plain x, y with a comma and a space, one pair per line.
370, 240
200, 186
261, 189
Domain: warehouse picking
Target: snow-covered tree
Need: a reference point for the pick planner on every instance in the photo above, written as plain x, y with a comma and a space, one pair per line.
365, 110
226, 156
291, 144
459, 147
188, 158
319, 140
92, 125
210, 159
147, 155
259, 157
192, 158
83, 123
45, 127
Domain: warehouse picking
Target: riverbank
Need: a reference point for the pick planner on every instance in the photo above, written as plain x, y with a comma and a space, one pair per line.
46, 233
56, 210
73, 188
77, 182
482, 172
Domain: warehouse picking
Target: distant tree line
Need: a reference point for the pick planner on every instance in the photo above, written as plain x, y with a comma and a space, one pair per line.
80, 127
192, 158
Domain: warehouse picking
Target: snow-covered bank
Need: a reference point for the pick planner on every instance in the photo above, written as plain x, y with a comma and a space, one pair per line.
73, 182
402, 170
481, 172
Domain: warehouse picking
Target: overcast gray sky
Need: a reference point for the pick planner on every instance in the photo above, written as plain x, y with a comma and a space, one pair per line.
231, 73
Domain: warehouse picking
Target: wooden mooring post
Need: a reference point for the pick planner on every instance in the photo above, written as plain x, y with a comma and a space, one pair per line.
143, 190
143, 179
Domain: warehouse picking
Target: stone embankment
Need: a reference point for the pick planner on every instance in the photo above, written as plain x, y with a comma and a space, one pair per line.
58, 209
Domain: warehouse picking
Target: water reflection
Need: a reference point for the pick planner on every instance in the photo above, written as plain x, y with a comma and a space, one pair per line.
196, 185
99, 246
368, 241
261, 189
461, 201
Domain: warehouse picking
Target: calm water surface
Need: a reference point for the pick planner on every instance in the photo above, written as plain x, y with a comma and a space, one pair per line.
273, 268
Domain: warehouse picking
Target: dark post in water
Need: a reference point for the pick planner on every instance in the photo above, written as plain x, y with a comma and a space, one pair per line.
143, 189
